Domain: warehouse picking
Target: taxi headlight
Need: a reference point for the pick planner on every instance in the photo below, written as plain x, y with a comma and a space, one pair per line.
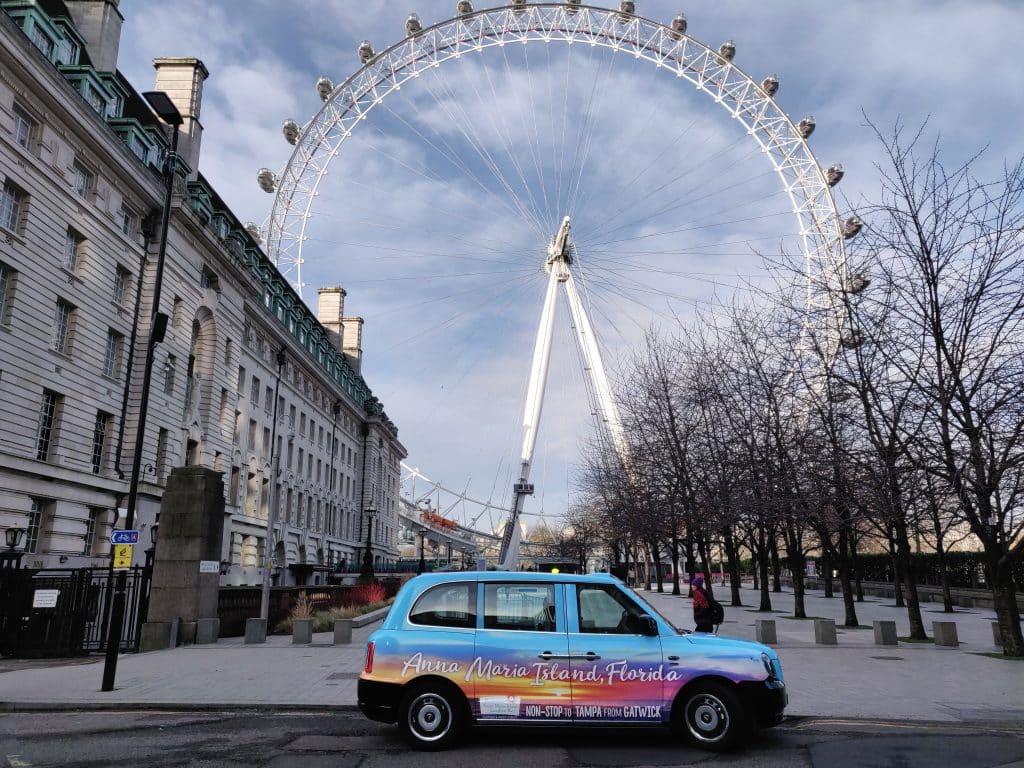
768, 666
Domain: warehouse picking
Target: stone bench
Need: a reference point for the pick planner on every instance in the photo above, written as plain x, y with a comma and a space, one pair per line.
825, 632
945, 634
343, 627
885, 633
764, 631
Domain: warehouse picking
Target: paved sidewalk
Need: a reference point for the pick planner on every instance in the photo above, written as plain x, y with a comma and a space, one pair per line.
854, 679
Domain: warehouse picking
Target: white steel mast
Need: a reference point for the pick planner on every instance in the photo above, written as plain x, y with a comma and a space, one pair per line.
558, 261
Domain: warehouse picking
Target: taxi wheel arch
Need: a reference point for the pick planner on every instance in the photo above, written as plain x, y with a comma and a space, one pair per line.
432, 713
710, 713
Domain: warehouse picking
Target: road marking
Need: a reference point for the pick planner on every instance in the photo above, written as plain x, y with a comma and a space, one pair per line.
15, 761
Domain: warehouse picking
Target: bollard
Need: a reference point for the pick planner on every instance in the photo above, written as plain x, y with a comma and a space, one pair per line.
945, 633
764, 631
342, 631
885, 633
997, 635
255, 631
825, 632
302, 631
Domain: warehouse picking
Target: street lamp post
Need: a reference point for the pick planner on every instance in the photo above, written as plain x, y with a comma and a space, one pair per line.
12, 558
166, 111
423, 540
366, 572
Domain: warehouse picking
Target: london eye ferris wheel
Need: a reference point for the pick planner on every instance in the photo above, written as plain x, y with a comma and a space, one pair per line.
466, 175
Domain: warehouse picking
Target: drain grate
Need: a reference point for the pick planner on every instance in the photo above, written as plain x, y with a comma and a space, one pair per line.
888, 658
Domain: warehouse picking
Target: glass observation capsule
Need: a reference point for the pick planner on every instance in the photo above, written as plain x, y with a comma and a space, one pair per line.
267, 180
254, 231
290, 129
806, 127
412, 25
770, 85
324, 86
464, 8
727, 50
365, 51
858, 283
626, 9
834, 174
852, 226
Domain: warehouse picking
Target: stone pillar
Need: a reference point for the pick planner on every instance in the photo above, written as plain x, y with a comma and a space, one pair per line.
191, 531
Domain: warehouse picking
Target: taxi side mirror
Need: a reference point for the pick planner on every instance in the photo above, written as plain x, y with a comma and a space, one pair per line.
648, 626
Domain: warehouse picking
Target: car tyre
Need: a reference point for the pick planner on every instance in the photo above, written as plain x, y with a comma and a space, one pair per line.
431, 716
711, 716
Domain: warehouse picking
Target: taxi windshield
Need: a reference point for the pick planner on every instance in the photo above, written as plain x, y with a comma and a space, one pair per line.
651, 609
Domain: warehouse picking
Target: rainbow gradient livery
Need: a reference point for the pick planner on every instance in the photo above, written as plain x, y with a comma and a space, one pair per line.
558, 649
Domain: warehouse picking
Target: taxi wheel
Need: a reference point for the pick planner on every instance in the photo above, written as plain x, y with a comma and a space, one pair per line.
710, 716
431, 716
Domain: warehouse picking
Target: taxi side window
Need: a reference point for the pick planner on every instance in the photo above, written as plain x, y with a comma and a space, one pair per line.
520, 606
446, 605
603, 609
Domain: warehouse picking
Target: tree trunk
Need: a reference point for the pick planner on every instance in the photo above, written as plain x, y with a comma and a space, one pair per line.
858, 570
734, 566
1004, 600
675, 565
776, 565
913, 605
762, 565
897, 570
940, 554
844, 580
826, 572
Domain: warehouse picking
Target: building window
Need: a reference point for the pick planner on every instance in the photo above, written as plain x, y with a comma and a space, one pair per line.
84, 180
208, 279
91, 530
129, 221
252, 494
49, 415
161, 454
254, 392
177, 312
95, 99
63, 320
7, 279
251, 444
268, 399
302, 425
35, 524
170, 365
112, 354
266, 441
25, 128
121, 278
241, 381
67, 52
99, 440
12, 206
42, 41
72, 250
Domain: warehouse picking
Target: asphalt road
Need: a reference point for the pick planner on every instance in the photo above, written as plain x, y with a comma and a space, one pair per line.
345, 739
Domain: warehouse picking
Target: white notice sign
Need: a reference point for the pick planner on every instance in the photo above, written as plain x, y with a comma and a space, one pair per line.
45, 598
209, 566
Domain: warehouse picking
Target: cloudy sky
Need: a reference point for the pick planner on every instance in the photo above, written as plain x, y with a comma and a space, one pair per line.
435, 214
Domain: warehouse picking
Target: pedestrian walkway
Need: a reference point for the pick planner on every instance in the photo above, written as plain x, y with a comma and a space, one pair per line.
853, 679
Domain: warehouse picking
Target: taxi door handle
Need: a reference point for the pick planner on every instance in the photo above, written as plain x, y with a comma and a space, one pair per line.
548, 656
591, 656
673, 661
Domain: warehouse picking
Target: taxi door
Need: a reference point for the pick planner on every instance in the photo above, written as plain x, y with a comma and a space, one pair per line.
617, 672
521, 667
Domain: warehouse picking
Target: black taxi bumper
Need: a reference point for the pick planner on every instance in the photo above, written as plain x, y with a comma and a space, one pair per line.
767, 701
379, 701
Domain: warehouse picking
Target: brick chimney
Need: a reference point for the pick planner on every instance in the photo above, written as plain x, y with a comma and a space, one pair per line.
99, 24
182, 80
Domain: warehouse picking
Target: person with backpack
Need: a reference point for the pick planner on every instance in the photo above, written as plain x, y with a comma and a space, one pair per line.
707, 612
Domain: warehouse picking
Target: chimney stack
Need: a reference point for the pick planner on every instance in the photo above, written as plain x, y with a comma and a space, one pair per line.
182, 80
346, 333
99, 24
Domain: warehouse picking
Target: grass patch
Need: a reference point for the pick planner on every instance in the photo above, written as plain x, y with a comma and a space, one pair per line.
911, 640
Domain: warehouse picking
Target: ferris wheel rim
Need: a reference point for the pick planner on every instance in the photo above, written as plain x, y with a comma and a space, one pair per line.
820, 227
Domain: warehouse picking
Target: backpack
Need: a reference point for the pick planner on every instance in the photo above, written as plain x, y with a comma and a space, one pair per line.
717, 612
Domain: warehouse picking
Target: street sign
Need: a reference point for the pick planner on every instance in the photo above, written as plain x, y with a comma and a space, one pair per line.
209, 566
122, 556
45, 598
124, 537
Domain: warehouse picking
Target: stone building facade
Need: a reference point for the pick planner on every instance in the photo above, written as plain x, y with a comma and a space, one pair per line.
80, 163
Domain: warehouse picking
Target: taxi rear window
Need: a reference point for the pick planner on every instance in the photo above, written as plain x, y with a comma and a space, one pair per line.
446, 605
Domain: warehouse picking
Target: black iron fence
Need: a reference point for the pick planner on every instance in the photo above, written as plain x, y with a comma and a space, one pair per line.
64, 612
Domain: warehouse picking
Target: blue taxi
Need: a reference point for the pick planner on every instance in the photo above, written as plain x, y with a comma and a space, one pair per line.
542, 648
